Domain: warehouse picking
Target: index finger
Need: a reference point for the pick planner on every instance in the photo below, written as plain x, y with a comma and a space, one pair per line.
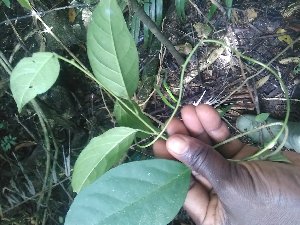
217, 130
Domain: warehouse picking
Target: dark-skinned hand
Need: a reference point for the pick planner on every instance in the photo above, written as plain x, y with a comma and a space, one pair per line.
226, 192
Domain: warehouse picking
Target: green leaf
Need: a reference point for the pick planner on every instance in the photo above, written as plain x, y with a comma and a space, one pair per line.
158, 11
122, 4
180, 9
7, 3
228, 4
147, 192
223, 110
154, 9
111, 50
100, 155
25, 4
262, 117
211, 12
134, 120
296, 70
166, 86
248, 122
163, 98
278, 157
135, 28
32, 76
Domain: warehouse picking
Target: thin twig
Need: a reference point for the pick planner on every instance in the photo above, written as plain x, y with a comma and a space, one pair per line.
105, 106
33, 197
1, 212
285, 91
2, 56
25, 128
17, 34
153, 118
257, 73
5, 64
90, 75
184, 66
53, 171
18, 46
281, 99
250, 89
200, 13
44, 12
48, 29
42, 120
278, 55
162, 53
248, 132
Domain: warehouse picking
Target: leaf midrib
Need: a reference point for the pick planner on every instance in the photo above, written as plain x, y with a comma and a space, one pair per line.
96, 164
117, 57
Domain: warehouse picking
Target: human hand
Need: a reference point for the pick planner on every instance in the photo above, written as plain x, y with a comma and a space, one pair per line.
225, 192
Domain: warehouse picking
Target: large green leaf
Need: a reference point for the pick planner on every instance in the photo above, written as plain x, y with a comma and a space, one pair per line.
122, 4
111, 50
7, 3
147, 192
32, 76
133, 118
135, 28
100, 155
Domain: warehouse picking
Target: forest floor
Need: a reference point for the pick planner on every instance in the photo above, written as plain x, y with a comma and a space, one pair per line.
35, 185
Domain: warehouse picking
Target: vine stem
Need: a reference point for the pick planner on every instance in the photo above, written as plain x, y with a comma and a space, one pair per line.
284, 124
261, 156
178, 104
54, 162
283, 87
246, 133
160, 134
42, 120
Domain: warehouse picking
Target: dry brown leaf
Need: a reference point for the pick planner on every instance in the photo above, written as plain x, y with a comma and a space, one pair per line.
262, 81
214, 55
290, 60
203, 30
185, 48
251, 14
285, 38
72, 15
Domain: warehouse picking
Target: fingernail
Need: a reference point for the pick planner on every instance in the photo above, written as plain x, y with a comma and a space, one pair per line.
177, 145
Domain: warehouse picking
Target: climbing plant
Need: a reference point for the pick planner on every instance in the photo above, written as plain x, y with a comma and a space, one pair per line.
143, 192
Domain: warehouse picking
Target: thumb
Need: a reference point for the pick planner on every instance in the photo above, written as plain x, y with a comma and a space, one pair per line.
202, 159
